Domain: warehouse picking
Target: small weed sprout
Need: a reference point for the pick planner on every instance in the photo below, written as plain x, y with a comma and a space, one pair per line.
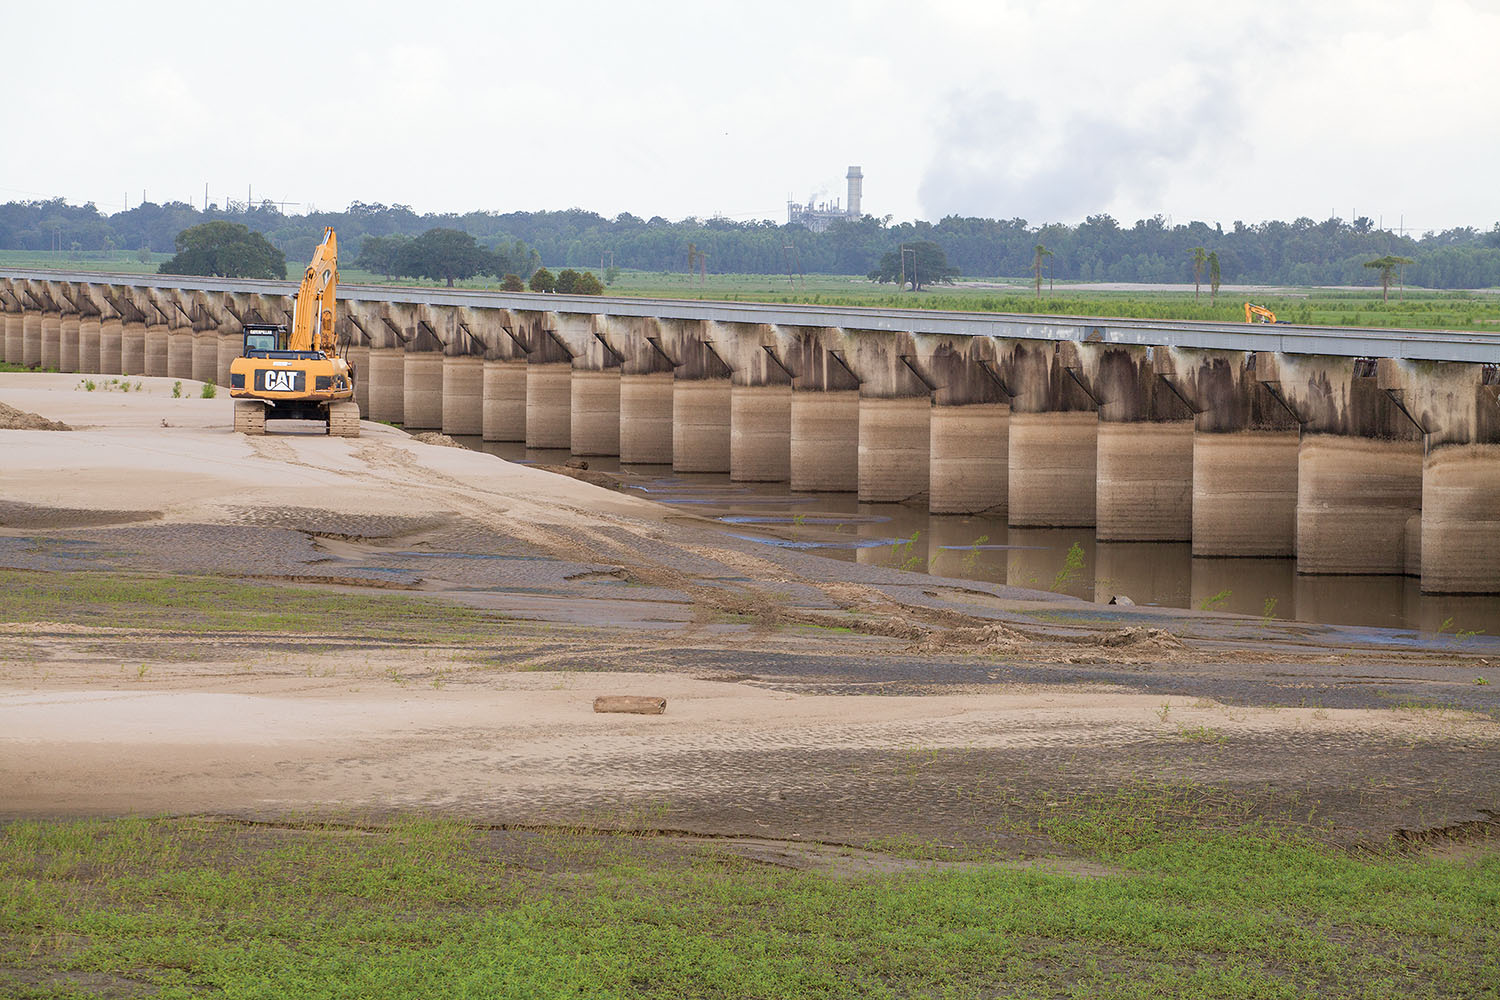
209, 391
972, 559
88, 385
141, 671
138, 387
1071, 568
1216, 601
1268, 611
176, 390
1165, 711
1482, 682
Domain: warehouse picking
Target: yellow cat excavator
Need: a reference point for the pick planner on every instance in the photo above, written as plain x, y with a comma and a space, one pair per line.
298, 374
1260, 314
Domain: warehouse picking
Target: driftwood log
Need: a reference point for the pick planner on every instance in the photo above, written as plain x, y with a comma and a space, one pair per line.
633, 704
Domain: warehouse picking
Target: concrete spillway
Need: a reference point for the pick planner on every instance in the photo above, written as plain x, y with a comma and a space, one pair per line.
1356, 451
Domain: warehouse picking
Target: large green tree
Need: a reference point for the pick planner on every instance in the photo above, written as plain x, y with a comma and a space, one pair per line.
225, 250
381, 254
920, 263
444, 255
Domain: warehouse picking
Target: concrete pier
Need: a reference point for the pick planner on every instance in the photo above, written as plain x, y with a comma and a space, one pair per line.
593, 387
1457, 407
111, 345
358, 358
549, 383
386, 373
88, 345
895, 411
1144, 460
31, 338
51, 340
154, 343
1053, 440
825, 412
760, 404
504, 400
702, 400
67, 349
14, 337
463, 395
422, 406
133, 348
1245, 445
1359, 464
180, 345
969, 443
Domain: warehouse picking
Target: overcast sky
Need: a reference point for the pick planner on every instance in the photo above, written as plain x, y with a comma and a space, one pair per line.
1048, 110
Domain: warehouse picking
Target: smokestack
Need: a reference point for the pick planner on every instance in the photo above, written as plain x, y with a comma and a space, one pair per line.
856, 184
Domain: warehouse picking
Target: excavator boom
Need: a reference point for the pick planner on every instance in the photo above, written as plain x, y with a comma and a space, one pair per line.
313, 320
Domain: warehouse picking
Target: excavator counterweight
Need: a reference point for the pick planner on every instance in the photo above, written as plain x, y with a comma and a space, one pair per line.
298, 373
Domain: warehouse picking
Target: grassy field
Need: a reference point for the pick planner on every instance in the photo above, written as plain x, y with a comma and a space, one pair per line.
122, 261
179, 907
1416, 309
208, 604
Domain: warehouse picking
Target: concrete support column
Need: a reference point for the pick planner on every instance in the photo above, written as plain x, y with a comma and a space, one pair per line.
422, 389
31, 344
760, 403
1359, 464
88, 345
701, 425
701, 400
504, 417
180, 352
230, 345
825, 440
760, 433
594, 422
51, 339
463, 395
1144, 460
133, 348
824, 453
593, 387
15, 338
156, 340
111, 346
895, 437
1457, 407
969, 439
386, 374
970, 459
646, 418
1244, 455
205, 354
359, 359
549, 404
1054, 444
549, 382
67, 349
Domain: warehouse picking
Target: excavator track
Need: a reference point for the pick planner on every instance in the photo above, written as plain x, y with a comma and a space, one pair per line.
343, 419
249, 418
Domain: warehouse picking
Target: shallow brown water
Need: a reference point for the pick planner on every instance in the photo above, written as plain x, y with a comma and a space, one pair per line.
977, 547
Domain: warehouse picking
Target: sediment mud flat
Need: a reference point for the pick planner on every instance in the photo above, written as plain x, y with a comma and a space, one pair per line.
199, 622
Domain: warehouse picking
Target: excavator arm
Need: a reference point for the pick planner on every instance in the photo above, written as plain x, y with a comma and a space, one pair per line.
1258, 314
312, 322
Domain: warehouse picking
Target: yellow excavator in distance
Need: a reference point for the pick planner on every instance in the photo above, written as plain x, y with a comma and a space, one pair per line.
298, 374
1260, 314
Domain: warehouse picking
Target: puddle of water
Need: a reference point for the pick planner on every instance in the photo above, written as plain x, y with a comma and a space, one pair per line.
976, 547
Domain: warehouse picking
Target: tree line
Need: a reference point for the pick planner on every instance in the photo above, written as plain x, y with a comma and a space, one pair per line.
1301, 252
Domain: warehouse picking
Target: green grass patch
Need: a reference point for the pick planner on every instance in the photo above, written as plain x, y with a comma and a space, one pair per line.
183, 907
222, 604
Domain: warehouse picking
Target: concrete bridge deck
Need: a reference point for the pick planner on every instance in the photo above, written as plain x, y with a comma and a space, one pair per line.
1356, 450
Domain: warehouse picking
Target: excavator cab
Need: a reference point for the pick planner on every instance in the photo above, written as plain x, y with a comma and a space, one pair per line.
262, 338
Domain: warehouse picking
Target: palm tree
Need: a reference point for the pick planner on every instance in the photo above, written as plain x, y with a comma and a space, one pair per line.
1200, 257
1213, 277
1036, 266
1387, 266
